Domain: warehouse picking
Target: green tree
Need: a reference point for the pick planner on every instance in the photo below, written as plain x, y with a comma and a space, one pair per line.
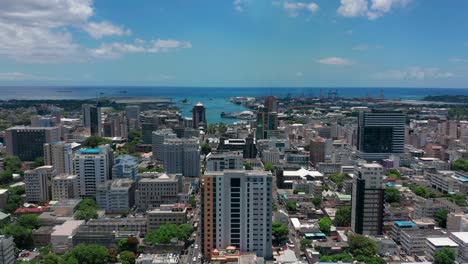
127, 257
30, 221
280, 231
305, 243
269, 167
192, 201
360, 245
392, 195
87, 254
51, 258
291, 206
343, 216
393, 173
39, 161
211, 129
112, 255
87, 209
205, 148
248, 165
95, 141
317, 201
166, 232
440, 216
222, 128
460, 164
344, 257
128, 244
22, 236
325, 224
444, 256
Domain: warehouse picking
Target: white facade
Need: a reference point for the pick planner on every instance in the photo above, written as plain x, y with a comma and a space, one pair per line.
158, 138
65, 186
461, 238
241, 210
59, 155
38, 183
116, 196
7, 250
182, 156
154, 189
92, 168
224, 161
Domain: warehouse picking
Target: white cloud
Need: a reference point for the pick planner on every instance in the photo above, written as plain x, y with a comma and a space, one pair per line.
372, 9
19, 76
116, 49
335, 61
39, 31
458, 60
104, 29
293, 8
239, 5
414, 73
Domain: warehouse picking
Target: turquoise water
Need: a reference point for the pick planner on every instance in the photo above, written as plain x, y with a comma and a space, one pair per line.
218, 96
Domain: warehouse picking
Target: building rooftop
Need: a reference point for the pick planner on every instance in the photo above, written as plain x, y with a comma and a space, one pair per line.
302, 173
89, 151
67, 228
463, 236
404, 224
442, 242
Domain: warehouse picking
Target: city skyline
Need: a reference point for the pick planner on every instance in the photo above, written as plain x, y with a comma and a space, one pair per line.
347, 43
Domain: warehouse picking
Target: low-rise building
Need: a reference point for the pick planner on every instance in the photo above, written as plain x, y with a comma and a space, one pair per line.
435, 244
38, 183
461, 238
116, 196
224, 160
61, 238
134, 224
65, 186
154, 189
413, 241
166, 214
169, 258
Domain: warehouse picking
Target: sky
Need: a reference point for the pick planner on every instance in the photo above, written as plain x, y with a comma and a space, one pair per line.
235, 43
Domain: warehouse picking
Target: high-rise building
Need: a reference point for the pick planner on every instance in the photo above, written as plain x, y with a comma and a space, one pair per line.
42, 121
7, 250
158, 139
65, 186
38, 184
247, 146
59, 155
317, 150
236, 211
154, 189
116, 196
92, 167
199, 116
266, 122
182, 156
380, 134
92, 119
224, 160
271, 103
28, 142
125, 166
133, 116
368, 200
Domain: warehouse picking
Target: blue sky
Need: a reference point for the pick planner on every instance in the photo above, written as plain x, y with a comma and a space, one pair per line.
321, 43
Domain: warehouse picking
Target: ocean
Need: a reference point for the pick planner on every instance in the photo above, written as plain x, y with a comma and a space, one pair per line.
214, 99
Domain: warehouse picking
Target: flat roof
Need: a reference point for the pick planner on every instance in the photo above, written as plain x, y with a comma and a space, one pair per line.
463, 236
405, 223
89, 151
442, 242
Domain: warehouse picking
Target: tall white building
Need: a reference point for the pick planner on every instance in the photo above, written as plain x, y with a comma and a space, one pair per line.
92, 167
236, 210
228, 160
158, 138
182, 156
59, 155
368, 200
65, 186
7, 250
38, 183
116, 196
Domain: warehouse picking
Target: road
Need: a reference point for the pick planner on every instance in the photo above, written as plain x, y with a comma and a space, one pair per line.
194, 250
